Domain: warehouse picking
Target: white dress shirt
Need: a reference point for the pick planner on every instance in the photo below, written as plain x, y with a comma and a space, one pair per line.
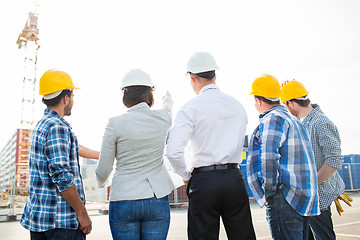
215, 124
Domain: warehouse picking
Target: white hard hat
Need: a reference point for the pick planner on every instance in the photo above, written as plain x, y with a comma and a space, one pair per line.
136, 77
201, 62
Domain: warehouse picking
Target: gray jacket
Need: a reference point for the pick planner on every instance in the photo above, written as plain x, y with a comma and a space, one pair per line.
136, 140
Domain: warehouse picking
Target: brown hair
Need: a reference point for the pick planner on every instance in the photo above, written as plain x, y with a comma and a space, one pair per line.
136, 94
55, 101
302, 103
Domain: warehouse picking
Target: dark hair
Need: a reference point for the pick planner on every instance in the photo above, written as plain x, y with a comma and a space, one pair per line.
136, 94
267, 101
209, 75
302, 103
55, 101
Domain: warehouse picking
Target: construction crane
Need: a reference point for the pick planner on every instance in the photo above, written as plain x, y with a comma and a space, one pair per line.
28, 42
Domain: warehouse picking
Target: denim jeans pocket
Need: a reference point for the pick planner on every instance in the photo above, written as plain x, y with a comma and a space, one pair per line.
160, 210
293, 220
123, 211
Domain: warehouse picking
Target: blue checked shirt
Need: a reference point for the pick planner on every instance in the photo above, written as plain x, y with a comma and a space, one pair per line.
325, 142
53, 167
280, 156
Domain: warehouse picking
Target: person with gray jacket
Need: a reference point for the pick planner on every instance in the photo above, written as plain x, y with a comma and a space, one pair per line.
139, 203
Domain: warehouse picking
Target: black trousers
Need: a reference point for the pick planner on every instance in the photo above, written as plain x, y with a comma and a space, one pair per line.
219, 193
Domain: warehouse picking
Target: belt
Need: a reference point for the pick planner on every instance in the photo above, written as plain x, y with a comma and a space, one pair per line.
226, 166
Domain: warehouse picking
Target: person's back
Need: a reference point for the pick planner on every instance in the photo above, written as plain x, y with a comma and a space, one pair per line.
220, 124
325, 142
139, 139
281, 169
214, 124
139, 203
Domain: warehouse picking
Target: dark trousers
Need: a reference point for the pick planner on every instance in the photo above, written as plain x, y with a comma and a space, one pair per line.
58, 234
322, 226
285, 223
219, 193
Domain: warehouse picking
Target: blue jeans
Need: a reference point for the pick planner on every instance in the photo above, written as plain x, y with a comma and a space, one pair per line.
321, 226
58, 234
146, 219
285, 223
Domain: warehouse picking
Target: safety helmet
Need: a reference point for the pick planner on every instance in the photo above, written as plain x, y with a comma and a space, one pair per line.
136, 77
53, 81
201, 62
266, 86
292, 89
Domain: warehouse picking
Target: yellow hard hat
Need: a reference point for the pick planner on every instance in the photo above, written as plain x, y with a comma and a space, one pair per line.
55, 80
291, 90
266, 86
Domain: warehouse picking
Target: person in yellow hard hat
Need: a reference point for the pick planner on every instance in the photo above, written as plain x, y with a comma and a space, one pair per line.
281, 170
55, 208
325, 141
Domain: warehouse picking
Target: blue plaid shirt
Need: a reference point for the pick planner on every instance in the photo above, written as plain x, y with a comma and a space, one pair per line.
53, 167
325, 142
281, 157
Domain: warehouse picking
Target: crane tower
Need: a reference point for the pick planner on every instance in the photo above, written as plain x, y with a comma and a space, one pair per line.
28, 42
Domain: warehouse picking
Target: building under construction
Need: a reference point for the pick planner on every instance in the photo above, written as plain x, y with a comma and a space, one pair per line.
14, 171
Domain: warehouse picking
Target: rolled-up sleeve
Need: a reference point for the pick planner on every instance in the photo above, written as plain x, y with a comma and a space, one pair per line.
330, 143
107, 155
57, 152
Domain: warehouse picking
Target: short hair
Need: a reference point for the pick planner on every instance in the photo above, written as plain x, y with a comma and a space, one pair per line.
301, 102
136, 94
267, 101
209, 75
55, 101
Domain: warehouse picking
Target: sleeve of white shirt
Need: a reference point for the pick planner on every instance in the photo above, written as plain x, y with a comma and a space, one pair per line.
179, 136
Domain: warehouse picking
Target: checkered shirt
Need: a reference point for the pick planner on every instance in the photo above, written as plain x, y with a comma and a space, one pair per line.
325, 141
53, 167
280, 157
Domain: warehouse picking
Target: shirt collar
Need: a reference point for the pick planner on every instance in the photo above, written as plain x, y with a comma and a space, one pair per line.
139, 106
209, 86
280, 108
54, 114
316, 109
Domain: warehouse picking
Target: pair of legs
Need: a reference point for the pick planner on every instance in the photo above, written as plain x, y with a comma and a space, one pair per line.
215, 194
285, 223
58, 234
146, 219
322, 226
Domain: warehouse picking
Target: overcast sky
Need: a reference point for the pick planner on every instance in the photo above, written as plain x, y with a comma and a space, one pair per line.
98, 42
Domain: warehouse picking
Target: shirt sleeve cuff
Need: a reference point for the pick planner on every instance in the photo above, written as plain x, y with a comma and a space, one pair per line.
334, 162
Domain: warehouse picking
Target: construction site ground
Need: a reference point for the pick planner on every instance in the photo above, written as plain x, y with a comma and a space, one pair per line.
346, 226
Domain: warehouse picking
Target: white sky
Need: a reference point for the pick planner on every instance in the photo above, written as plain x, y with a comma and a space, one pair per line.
97, 42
